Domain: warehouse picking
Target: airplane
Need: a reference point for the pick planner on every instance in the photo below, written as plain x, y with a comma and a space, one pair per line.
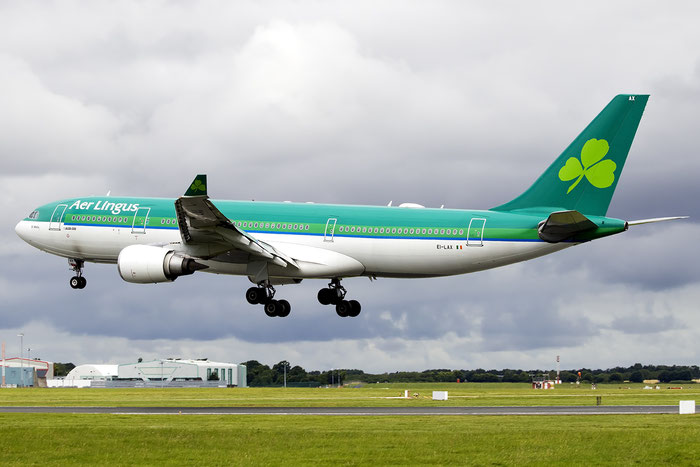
154, 240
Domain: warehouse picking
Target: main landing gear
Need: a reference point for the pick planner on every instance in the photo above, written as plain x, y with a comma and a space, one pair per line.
264, 295
77, 281
335, 295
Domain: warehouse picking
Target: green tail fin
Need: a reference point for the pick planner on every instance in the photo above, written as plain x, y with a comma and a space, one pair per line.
584, 176
198, 187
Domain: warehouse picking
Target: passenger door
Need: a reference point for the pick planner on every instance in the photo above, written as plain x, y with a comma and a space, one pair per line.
57, 217
475, 234
140, 221
330, 229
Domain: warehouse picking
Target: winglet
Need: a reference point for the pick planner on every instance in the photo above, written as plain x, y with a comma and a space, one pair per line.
198, 187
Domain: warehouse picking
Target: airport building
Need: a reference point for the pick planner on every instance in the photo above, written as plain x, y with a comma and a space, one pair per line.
176, 369
173, 372
25, 372
93, 372
17, 377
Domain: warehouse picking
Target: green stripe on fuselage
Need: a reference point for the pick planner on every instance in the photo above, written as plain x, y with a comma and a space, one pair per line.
312, 219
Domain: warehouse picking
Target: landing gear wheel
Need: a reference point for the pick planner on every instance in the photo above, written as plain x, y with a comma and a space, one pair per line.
325, 297
336, 296
256, 295
271, 308
355, 308
285, 308
77, 281
343, 308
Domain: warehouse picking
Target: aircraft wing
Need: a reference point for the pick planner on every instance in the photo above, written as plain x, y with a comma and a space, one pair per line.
203, 225
562, 225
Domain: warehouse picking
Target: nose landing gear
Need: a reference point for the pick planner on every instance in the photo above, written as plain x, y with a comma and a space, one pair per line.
264, 295
334, 294
77, 281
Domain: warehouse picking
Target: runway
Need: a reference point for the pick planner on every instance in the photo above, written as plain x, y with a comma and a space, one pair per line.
355, 411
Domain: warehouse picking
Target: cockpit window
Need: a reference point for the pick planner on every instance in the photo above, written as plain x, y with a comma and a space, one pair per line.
34, 215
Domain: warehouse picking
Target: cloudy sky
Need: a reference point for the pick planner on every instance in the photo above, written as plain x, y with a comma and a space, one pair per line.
442, 102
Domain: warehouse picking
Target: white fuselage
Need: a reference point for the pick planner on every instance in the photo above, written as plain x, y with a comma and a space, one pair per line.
320, 258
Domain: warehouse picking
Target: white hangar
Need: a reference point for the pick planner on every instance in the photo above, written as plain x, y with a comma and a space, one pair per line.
175, 369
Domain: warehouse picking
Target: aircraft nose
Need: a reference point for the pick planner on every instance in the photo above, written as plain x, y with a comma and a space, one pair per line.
22, 230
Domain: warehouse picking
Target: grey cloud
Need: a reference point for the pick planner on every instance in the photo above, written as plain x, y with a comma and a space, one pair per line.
648, 257
646, 324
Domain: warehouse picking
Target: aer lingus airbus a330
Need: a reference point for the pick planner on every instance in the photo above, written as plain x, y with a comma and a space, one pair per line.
157, 240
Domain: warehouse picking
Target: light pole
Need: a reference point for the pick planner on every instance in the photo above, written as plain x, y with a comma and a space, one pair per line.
21, 357
284, 365
332, 380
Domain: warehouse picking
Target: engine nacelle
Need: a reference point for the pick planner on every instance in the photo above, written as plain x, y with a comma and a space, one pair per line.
145, 264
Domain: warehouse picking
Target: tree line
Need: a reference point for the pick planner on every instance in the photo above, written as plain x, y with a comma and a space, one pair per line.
262, 375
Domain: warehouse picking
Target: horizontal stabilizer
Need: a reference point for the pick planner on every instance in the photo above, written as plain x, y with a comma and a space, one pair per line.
658, 219
562, 225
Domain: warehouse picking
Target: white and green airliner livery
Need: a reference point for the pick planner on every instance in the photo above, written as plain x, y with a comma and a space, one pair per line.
157, 240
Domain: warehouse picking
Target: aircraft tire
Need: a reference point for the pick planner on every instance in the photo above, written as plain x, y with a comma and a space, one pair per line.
355, 308
324, 296
83, 282
255, 295
343, 308
285, 308
271, 308
335, 298
75, 282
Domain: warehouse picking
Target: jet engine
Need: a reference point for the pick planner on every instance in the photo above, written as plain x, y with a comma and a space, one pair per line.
145, 264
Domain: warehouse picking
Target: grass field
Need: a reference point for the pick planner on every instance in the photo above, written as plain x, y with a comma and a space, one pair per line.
370, 395
313, 440
60, 439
